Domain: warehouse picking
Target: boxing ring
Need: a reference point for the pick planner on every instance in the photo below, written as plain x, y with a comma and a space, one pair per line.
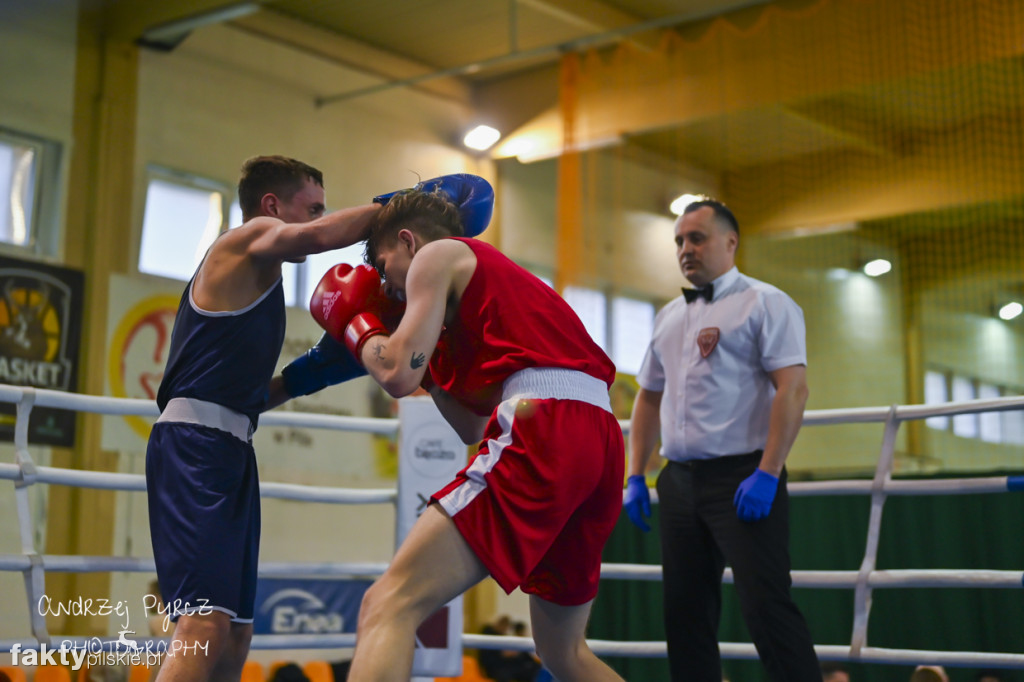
24, 474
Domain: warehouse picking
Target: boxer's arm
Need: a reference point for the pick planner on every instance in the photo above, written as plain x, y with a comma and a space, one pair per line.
399, 361
272, 239
327, 363
468, 424
277, 394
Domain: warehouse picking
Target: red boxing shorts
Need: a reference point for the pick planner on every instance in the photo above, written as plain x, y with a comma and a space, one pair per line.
540, 498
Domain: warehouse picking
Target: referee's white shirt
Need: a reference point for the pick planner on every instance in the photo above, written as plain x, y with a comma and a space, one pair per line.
720, 404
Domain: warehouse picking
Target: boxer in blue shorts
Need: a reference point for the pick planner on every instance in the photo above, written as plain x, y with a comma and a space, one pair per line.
201, 475
201, 472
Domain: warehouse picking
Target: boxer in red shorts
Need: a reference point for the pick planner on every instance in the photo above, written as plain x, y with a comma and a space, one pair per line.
512, 368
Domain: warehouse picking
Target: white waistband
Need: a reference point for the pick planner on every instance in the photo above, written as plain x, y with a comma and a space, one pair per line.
558, 384
193, 411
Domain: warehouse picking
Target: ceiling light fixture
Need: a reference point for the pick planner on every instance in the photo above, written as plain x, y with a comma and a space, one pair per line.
481, 138
680, 203
877, 267
1010, 310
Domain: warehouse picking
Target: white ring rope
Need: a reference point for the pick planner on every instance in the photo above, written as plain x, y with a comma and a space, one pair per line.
24, 473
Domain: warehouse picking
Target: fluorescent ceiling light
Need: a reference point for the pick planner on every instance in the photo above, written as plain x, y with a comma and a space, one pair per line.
681, 202
877, 267
1010, 310
481, 137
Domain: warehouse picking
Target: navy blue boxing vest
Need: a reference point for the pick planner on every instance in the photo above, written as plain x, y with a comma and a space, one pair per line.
226, 358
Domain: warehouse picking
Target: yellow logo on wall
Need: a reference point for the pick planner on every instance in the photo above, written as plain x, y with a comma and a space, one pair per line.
138, 353
31, 333
30, 326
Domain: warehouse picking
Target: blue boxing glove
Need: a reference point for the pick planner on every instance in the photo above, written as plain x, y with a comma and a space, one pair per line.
637, 501
325, 364
754, 497
472, 194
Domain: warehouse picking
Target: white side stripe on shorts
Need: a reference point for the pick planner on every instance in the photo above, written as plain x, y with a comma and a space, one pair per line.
528, 384
459, 498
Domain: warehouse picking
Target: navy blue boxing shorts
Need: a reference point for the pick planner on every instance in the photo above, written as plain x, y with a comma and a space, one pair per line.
204, 519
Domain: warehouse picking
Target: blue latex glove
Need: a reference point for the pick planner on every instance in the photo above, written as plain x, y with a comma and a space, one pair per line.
637, 501
754, 497
325, 364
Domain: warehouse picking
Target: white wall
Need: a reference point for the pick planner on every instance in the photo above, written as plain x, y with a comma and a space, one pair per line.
37, 60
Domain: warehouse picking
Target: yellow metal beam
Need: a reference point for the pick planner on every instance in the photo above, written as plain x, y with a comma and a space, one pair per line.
98, 237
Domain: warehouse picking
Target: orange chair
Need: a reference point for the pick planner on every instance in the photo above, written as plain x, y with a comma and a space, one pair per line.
139, 673
52, 673
252, 671
318, 671
13, 672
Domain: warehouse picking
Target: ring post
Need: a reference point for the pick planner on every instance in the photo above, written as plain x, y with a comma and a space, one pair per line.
430, 453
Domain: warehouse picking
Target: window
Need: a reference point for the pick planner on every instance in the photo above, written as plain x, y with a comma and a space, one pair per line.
991, 427
632, 328
1012, 427
935, 391
589, 305
18, 179
184, 214
29, 177
990, 423
629, 323
965, 425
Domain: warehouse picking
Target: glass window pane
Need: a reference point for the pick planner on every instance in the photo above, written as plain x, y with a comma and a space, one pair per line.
989, 422
590, 306
290, 274
179, 225
235, 214
1012, 425
935, 392
632, 327
17, 192
965, 425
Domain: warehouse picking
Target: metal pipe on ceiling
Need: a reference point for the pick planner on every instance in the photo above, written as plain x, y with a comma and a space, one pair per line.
547, 51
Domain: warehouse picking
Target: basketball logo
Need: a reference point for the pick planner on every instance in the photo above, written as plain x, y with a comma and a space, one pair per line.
33, 308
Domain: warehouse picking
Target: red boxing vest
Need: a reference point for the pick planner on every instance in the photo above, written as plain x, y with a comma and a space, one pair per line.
509, 320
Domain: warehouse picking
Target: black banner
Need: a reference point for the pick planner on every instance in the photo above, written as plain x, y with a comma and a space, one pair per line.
40, 333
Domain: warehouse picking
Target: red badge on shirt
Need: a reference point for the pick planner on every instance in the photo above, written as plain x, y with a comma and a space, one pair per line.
707, 340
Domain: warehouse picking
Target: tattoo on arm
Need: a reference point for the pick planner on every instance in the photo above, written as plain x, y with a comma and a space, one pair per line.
378, 350
417, 360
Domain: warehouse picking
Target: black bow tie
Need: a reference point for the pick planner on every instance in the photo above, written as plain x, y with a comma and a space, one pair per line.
692, 295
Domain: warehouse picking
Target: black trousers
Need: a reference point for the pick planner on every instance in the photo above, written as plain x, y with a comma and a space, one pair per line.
700, 534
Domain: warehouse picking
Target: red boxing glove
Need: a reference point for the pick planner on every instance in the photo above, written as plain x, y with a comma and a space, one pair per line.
345, 303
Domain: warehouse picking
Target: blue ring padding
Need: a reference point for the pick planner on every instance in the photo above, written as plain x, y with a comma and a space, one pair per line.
1015, 483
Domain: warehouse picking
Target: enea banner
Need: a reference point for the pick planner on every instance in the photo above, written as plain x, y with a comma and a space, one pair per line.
287, 606
40, 334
